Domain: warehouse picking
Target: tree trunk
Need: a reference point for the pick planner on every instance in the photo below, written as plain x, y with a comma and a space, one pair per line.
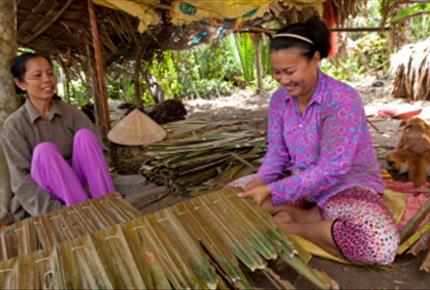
136, 81
65, 80
259, 63
9, 101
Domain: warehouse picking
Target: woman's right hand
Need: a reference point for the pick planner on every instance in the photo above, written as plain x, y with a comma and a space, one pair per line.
257, 181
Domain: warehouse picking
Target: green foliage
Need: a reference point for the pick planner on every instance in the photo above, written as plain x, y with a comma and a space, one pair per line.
367, 53
200, 72
119, 87
80, 95
346, 69
411, 10
265, 55
421, 27
246, 52
371, 50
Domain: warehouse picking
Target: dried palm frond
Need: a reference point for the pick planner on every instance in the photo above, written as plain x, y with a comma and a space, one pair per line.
199, 156
414, 221
119, 261
425, 266
422, 244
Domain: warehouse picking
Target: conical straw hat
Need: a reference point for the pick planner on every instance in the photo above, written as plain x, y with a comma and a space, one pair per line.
136, 129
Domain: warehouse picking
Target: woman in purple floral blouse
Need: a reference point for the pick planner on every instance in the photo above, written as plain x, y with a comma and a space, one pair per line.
320, 151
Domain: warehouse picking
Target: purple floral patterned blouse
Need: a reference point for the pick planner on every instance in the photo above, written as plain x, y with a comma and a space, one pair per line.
327, 150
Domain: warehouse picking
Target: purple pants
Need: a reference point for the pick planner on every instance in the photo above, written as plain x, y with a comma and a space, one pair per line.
66, 183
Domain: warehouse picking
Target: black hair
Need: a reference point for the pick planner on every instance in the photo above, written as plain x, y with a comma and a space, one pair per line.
17, 66
314, 29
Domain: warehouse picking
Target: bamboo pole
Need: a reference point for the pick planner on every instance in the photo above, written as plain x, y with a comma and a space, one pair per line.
99, 68
414, 221
412, 239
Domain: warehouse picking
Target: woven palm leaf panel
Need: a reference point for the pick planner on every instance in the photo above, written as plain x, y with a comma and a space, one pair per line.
205, 242
47, 230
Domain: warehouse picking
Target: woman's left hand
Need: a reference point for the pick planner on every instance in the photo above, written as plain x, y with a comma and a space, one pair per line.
258, 194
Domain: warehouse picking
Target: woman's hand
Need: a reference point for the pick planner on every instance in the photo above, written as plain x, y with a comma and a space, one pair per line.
258, 193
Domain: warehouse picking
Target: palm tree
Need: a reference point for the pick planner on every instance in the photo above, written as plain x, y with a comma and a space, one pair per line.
9, 101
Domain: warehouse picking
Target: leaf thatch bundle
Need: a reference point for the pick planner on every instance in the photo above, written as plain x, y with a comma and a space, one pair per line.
198, 156
126, 159
411, 70
168, 111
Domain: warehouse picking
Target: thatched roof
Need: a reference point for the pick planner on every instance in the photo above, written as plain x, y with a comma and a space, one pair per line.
62, 26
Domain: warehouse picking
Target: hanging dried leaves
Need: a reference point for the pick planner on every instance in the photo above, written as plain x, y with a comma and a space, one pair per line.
411, 70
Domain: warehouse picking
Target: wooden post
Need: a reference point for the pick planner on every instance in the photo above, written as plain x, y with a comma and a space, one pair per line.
93, 90
99, 68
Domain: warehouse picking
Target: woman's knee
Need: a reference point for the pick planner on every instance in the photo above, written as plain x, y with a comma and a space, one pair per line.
45, 150
85, 134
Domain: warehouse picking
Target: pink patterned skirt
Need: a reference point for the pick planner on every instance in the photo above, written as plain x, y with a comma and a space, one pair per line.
364, 229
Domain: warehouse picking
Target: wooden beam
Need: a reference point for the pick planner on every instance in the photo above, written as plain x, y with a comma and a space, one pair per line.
47, 24
357, 29
269, 31
253, 29
99, 68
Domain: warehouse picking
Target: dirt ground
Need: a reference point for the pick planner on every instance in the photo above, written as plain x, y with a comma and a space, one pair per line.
404, 274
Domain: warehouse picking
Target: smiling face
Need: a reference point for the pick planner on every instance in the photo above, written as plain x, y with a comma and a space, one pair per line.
295, 72
39, 80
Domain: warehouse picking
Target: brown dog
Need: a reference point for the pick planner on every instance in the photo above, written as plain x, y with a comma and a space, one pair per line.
413, 151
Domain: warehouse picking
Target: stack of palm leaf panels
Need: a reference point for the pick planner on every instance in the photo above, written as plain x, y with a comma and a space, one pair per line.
50, 229
199, 156
206, 242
